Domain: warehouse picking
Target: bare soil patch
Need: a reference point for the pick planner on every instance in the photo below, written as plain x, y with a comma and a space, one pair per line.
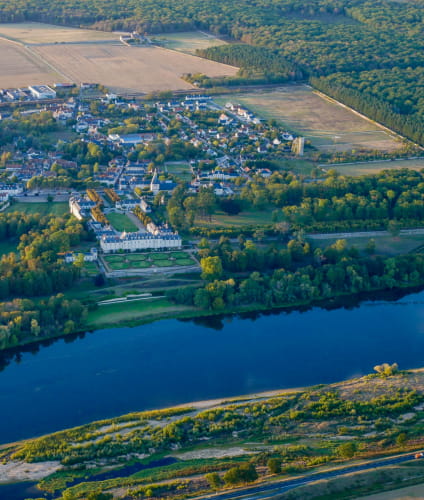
19, 68
132, 69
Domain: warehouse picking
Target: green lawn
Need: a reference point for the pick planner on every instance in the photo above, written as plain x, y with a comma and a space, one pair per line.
189, 41
384, 245
90, 268
373, 167
129, 311
247, 218
145, 260
53, 208
121, 222
179, 169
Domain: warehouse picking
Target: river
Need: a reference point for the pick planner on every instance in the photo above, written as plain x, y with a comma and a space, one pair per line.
110, 372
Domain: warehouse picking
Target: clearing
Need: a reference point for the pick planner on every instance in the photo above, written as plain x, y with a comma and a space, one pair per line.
189, 41
179, 169
373, 167
246, 218
128, 69
20, 68
329, 126
121, 222
52, 208
36, 33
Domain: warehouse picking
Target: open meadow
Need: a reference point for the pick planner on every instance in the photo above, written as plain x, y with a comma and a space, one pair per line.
373, 167
128, 69
53, 208
329, 126
36, 33
19, 67
121, 222
189, 41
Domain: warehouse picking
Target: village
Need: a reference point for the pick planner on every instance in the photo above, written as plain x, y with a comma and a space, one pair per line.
137, 154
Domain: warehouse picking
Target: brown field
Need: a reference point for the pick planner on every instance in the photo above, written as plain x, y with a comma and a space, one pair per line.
329, 126
189, 41
35, 33
373, 167
122, 68
19, 67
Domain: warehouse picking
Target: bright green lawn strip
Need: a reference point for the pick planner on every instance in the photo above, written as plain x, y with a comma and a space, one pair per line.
159, 256
180, 255
121, 222
164, 263
54, 208
131, 311
184, 262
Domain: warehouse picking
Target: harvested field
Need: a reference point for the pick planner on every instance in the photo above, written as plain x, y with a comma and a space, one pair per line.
328, 125
35, 33
19, 67
373, 167
132, 69
190, 41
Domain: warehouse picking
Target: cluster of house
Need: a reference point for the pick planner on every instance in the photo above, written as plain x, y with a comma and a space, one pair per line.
31, 93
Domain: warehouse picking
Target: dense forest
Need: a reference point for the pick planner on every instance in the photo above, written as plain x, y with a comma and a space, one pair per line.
364, 49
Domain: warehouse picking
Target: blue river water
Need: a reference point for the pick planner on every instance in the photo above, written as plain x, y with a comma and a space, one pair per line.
110, 372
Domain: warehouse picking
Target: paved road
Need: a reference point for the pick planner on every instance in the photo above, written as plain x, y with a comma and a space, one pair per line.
271, 489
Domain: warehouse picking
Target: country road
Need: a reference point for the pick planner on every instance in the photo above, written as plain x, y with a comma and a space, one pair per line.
277, 487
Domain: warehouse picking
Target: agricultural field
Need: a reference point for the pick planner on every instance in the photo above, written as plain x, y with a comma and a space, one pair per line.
121, 222
189, 42
329, 126
40, 33
53, 208
128, 69
373, 167
119, 262
20, 67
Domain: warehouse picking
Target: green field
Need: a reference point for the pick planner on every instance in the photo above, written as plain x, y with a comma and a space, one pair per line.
90, 269
373, 167
117, 262
128, 311
247, 218
384, 245
121, 222
181, 170
188, 42
329, 126
53, 208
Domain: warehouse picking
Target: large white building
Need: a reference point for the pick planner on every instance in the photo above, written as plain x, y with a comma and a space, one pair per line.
80, 207
42, 92
132, 242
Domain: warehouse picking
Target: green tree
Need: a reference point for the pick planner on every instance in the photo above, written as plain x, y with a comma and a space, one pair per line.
211, 268
274, 465
214, 480
347, 450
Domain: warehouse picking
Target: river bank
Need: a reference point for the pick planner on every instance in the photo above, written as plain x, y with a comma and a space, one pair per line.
110, 457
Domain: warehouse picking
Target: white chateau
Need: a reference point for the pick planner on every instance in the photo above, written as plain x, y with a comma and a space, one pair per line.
132, 242
153, 238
